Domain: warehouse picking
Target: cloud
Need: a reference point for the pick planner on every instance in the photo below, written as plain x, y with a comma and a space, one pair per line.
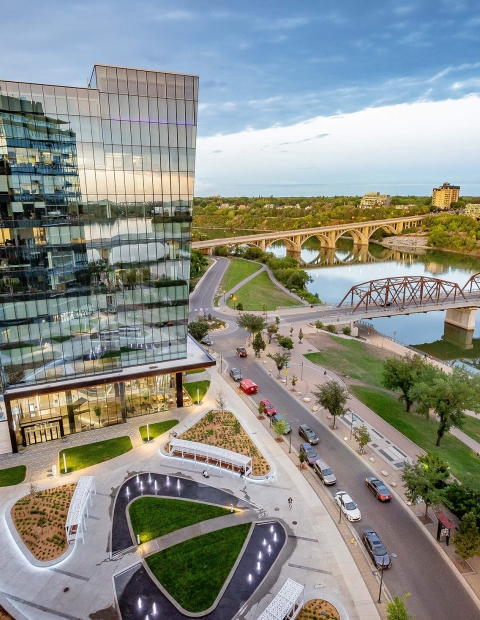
176, 15
398, 148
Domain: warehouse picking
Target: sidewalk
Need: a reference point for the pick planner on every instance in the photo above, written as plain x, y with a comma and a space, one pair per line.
81, 586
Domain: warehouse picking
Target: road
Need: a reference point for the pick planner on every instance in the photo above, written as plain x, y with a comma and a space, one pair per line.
419, 568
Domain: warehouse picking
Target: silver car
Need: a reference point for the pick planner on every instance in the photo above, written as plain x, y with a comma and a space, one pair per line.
324, 472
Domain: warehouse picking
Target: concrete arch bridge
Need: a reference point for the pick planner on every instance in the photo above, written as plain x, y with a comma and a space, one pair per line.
327, 235
328, 257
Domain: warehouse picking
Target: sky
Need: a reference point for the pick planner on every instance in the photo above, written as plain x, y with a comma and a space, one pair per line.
306, 97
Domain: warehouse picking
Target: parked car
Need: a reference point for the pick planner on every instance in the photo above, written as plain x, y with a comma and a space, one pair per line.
241, 351
267, 407
248, 386
324, 472
236, 374
309, 453
206, 341
376, 549
277, 417
306, 432
379, 489
348, 506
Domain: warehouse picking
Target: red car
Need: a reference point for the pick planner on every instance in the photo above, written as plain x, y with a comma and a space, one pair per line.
241, 352
267, 407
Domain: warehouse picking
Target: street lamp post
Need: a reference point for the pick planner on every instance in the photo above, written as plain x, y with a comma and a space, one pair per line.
221, 362
340, 517
301, 374
353, 418
234, 303
224, 296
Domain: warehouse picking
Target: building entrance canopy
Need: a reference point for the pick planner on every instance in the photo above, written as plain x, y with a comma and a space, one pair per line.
75, 524
211, 455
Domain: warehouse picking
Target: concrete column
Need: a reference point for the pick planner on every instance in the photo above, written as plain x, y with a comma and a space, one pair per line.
261, 244
461, 317
179, 389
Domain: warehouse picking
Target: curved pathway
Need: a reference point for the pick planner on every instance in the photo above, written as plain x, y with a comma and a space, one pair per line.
161, 485
138, 595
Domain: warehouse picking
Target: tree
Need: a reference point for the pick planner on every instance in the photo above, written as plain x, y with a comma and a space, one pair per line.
333, 397
402, 374
277, 320
285, 342
425, 480
362, 437
240, 306
280, 427
280, 360
251, 322
396, 609
467, 539
301, 458
221, 400
318, 325
448, 396
258, 344
97, 410
300, 335
271, 329
198, 329
33, 491
294, 380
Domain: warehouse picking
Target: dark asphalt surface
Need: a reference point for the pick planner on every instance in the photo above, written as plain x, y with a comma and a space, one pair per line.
419, 568
137, 593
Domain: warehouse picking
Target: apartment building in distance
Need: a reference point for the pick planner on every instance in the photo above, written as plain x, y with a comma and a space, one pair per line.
473, 211
442, 197
96, 193
374, 199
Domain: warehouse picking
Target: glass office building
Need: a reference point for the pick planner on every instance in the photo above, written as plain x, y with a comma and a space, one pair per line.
96, 190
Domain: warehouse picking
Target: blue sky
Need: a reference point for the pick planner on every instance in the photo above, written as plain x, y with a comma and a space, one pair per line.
271, 64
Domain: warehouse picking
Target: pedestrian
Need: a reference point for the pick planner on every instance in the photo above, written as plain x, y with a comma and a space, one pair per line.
290, 500
325, 372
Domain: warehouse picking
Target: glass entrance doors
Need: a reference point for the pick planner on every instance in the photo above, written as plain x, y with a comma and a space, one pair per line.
43, 431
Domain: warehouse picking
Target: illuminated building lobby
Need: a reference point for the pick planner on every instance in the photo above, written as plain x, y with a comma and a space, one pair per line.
96, 191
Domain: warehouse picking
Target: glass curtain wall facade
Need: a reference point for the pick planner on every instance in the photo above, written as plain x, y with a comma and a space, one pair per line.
96, 191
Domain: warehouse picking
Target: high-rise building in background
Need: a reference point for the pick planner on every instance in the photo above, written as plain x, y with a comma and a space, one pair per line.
96, 191
442, 197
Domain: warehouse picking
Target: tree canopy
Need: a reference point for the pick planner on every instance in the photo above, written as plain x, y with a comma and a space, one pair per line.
449, 396
403, 373
280, 360
198, 329
425, 480
467, 539
333, 396
252, 323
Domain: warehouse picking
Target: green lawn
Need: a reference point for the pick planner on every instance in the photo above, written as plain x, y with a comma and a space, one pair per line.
192, 388
237, 270
465, 465
194, 571
80, 457
352, 358
195, 371
259, 291
12, 475
155, 516
472, 427
156, 429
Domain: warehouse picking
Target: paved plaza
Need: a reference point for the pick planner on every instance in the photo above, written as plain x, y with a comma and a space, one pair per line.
82, 586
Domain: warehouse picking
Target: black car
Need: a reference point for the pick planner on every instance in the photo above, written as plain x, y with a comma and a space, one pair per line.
376, 549
241, 351
306, 432
236, 374
378, 488
309, 453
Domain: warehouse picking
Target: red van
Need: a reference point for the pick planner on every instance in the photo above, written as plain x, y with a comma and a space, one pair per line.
249, 387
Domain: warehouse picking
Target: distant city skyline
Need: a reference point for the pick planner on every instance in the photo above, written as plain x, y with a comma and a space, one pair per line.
266, 67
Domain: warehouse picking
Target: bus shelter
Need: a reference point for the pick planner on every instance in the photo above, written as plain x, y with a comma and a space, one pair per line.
211, 455
75, 525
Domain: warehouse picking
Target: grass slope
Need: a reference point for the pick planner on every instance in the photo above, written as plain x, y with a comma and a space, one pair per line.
156, 429
463, 461
194, 571
155, 516
237, 270
12, 475
472, 428
260, 291
192, 388
352, 358
80, 457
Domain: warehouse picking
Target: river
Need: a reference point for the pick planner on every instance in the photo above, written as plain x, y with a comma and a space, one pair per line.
333, 273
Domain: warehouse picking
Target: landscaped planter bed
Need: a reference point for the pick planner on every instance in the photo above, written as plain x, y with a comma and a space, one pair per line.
318, 609
40, 520
222, 429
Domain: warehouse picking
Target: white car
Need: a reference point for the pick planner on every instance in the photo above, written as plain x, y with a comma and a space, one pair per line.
348, 506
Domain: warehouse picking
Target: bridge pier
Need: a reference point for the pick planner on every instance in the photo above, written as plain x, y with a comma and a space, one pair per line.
461, 317
458, 336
